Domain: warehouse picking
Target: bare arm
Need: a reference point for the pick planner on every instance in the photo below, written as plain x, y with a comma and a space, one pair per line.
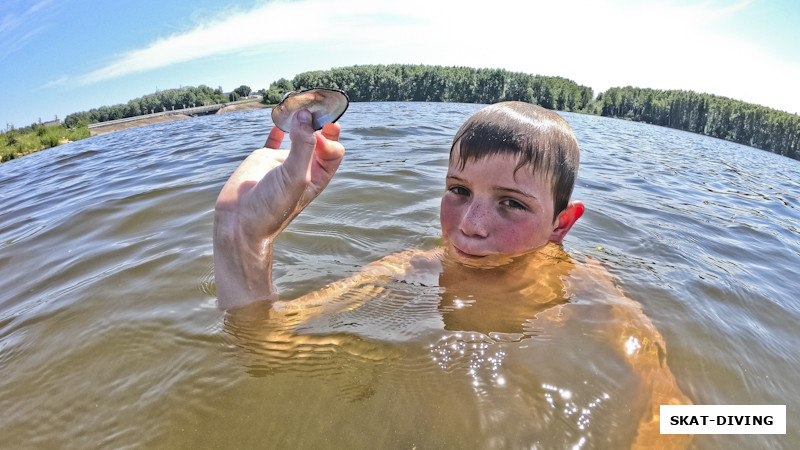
415, 264
634, 337
645, 350
260, 199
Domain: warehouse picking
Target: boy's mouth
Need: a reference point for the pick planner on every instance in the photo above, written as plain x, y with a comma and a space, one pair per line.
464, 254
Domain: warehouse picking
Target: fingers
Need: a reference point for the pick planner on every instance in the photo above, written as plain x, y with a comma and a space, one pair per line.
275, 138
328, 146
303, 143
331, 131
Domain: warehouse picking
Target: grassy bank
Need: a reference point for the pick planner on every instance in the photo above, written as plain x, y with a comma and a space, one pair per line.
16, 143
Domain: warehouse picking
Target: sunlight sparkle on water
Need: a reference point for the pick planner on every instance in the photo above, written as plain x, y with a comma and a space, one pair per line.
632, 345
568, 407
482, 367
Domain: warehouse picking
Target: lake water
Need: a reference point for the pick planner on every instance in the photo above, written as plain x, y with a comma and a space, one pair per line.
110, 335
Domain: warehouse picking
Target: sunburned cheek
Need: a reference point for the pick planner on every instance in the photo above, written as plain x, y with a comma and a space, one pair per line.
519, 239
512, 241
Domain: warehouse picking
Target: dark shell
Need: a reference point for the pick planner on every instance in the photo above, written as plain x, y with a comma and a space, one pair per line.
325, 105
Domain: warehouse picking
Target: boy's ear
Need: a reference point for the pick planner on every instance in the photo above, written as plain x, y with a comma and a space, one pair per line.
566, 220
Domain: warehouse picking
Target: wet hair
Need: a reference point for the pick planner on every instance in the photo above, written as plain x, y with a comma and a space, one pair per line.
542, 140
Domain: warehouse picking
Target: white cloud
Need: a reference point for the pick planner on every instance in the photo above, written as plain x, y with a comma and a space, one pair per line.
57, 82
278, 23
600, 43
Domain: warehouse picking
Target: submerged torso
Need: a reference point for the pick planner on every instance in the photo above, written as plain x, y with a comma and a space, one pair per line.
506, 359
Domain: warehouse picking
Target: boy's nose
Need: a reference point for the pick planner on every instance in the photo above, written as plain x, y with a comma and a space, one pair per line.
475, 220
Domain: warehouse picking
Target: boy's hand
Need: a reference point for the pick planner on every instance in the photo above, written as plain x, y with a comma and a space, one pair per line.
260, 199
270, 188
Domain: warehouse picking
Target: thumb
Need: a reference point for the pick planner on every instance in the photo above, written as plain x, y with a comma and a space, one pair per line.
302, 148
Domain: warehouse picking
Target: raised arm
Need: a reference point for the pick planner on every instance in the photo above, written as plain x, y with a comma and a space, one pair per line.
260, 199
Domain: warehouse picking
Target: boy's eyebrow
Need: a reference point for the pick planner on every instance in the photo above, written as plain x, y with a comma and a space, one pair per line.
458, 179
523, 193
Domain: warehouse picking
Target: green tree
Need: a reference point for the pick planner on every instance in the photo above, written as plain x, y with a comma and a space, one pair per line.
243, 90
276, 91
719, 117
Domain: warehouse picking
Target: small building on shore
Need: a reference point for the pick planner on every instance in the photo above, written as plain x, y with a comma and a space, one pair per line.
50, 123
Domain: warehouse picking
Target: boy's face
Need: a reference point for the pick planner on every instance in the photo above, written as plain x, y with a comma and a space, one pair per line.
488, 211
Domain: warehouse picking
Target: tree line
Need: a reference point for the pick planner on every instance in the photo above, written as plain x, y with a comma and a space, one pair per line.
15, 142
422, 83
158, 102
719, 117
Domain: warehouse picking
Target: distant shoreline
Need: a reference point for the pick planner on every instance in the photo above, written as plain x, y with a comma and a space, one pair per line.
105, 129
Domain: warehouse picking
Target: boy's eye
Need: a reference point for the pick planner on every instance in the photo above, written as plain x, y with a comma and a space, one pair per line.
511, 203
459, 190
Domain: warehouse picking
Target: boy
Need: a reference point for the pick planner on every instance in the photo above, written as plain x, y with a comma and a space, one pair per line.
505, 210
491, 211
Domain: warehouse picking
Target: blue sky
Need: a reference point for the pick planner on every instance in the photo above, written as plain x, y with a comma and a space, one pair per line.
60, 57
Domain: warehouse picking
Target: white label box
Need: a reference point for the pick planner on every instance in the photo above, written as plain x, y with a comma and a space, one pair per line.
723, 419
